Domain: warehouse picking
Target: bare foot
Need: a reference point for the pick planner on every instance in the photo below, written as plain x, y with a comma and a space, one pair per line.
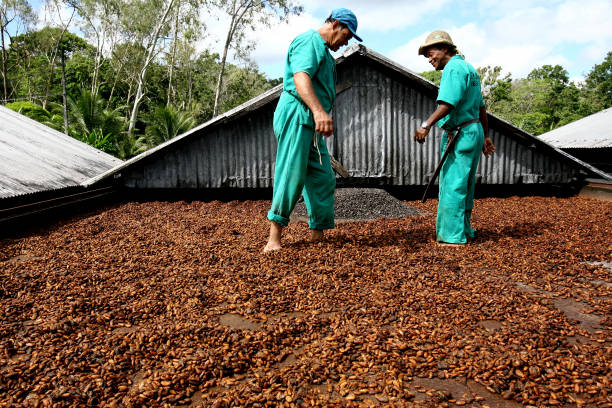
316, 235
274, 241
272, 246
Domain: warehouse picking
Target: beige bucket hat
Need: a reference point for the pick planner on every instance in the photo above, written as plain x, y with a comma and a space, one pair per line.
437, 37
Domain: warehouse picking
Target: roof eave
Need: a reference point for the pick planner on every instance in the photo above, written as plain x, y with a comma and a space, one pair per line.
351, 51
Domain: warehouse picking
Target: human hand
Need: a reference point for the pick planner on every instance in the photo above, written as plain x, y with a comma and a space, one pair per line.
488, 148
323, 123
420, 134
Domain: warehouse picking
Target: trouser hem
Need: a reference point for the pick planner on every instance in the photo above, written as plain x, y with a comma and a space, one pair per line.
282, 221
452, 241
316, 226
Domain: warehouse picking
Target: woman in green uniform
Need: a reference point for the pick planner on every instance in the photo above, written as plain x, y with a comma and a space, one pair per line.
460, 110
301, 117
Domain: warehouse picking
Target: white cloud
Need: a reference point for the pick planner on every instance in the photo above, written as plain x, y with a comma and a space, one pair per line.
524, 39
393, 15
273, 42
58, 14
519, 36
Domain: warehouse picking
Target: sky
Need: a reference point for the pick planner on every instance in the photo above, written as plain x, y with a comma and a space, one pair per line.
518, 35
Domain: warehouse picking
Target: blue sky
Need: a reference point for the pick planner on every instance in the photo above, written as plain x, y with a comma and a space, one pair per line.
518, 35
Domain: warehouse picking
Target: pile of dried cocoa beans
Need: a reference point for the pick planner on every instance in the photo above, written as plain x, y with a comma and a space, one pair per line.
174, 304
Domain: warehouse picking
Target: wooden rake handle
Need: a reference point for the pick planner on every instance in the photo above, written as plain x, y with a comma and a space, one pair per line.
338, 168
450, 145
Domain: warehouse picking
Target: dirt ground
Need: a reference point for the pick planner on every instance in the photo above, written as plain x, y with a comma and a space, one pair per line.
173, 304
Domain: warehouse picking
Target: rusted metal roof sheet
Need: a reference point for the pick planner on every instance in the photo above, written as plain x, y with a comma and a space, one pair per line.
594, 131
378, 108
36, 158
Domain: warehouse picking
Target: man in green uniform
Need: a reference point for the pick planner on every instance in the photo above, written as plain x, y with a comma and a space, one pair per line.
301, 117
461, 113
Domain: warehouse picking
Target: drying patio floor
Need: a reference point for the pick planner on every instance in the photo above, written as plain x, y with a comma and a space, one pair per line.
173, 304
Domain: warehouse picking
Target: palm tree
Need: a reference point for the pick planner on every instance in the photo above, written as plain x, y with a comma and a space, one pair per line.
92, 123
129, 146
166, 123
88, 113
52, 116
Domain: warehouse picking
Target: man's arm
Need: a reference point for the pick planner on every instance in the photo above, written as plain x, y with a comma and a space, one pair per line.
443, 110
488, 148
323, 122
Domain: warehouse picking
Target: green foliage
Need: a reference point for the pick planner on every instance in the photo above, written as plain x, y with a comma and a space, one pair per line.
166, 123
433, 76
87, 114
180, 83
242, 84
99, 140
30, 109
131, 145
557, 75
52, 117
545, 99
494, 88
243, 17
599, 84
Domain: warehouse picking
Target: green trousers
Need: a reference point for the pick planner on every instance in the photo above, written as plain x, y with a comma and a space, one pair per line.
457, 181
302, 167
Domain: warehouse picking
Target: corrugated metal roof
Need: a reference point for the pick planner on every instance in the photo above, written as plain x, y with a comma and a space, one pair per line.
379, 106
36, 158
594, 131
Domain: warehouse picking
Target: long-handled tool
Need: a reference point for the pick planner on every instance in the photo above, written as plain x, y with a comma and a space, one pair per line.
449, 147
338, 167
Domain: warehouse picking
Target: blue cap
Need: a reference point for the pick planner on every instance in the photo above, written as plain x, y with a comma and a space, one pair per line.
347, 17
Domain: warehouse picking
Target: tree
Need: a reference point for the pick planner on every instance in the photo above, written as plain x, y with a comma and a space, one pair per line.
166, 123
59, 48
555, 80
186, 25
130, 146
16, 13
557, 75
52, 118
91, 123
100, 17
88, 113
36, 55
68, 44
494, 88
243, 15
147, 21
242, 85
599, 84
433, 76
524, 106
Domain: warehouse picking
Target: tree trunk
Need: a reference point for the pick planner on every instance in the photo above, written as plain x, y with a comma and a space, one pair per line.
220, 80
110, 97
189, 86
97, 64
52, 62
170, 91
236, 20
4, 73
228, 41
143, 71
64, 92
129, 97
118, 72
